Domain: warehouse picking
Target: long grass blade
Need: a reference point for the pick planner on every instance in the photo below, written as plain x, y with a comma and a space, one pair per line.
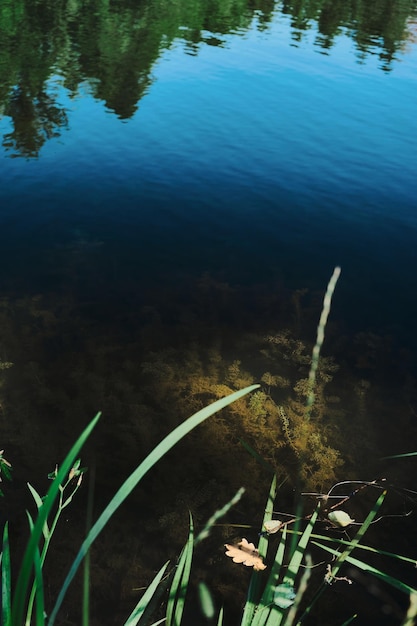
204, 533
176, 600
298, 555
410, 618
86, 590
400, 456
258, 457
137, 613
39, 502
220, 620
37, 585
302, 587
320, 338
344, 542
23, 581
365, 567
6, 585
266, 607
278, 613
130, 483
254, 592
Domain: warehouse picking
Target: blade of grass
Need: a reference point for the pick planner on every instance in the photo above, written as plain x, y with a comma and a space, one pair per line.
176, 599
298, 555
87, 560
365, 567
344, 542
220, 620
86, 591
204, 533
130, 483
410, 618
23, 581
265, 607
39, 502
37, 585
258, 457
136, 615
253, 595
6, 579
302, 587
400, 456
277, 613
320, 339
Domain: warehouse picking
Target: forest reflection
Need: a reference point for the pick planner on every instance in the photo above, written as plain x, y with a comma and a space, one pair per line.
113, 46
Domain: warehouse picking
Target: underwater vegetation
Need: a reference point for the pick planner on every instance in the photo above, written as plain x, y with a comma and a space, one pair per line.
170, 359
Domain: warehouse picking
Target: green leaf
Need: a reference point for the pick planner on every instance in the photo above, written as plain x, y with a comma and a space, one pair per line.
400, 456
137, 613
39, 501
38, 583
176, 599
220, 620
6, 593
254, 591
298, 555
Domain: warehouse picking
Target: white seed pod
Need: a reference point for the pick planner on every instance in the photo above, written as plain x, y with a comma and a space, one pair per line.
340, 518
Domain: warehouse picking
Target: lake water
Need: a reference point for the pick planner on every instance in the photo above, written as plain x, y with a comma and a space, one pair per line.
178, 174
268, 151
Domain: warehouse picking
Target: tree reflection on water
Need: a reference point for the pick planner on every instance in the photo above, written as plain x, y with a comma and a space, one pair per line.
35, 119
114, 46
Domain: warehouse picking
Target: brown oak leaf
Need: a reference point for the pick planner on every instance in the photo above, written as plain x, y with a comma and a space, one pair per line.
246, 553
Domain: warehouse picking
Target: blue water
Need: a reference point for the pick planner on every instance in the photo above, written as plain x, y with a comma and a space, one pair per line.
258, 159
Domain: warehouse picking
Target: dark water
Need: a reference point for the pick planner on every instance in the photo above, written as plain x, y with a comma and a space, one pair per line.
186, 177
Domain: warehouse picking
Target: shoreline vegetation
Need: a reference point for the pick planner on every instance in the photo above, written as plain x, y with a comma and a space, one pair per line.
300, 555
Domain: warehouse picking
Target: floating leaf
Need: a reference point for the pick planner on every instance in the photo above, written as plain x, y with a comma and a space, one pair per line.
246, 553
284, 595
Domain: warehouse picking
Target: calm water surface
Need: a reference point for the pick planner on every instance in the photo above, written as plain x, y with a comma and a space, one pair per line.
177, 175
258, 153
